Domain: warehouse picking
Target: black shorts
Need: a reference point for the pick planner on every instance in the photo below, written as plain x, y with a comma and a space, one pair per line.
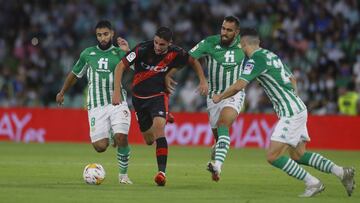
147, 109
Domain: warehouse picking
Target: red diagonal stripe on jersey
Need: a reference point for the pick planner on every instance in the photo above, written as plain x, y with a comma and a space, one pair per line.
139, 77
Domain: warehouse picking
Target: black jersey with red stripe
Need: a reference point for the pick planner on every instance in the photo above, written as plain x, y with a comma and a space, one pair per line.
150, 68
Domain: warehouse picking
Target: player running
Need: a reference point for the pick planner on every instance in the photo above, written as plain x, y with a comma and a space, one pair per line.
98, 63
155, 62
290, 132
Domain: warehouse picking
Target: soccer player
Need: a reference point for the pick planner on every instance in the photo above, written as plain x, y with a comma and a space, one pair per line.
155, 62
99, 62
290, 132
224, 57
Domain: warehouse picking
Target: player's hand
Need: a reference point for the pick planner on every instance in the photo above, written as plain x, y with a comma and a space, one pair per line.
60, 98
116, 99
170, 84
123, 44
216, 98
203, 88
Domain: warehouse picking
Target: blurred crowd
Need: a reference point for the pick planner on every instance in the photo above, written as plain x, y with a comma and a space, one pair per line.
41, 40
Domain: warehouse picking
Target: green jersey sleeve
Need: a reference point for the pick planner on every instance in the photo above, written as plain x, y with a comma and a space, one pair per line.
287, 70
253, 68
80, 66
200, 49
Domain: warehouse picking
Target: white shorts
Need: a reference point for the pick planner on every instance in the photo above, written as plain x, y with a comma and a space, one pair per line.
291, 130
236, 102
108, 119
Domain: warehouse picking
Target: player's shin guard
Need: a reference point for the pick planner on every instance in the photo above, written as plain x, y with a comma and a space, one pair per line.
222, 145
290, 167
123, 155
161, 153
321, 163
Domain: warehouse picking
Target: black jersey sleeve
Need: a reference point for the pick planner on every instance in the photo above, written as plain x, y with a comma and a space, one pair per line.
181, 59
132, 56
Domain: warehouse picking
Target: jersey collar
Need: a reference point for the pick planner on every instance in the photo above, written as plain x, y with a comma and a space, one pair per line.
111, 47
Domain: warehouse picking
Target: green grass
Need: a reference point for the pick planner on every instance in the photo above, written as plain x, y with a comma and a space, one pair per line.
53, 173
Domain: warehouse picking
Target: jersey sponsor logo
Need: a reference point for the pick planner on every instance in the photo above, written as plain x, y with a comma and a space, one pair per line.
248, 68
229, 58
131, 56
154, 68
103, 65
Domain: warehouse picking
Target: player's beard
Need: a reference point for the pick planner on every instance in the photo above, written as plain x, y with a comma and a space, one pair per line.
226, 42
106, 46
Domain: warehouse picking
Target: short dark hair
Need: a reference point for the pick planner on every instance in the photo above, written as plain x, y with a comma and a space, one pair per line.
249, 32
233, 19
104, 24
164, 33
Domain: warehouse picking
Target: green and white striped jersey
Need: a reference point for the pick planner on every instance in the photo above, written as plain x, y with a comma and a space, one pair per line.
224, 63
99, 66
274, 77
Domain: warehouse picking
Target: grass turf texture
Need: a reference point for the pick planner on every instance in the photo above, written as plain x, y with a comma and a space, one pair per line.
53, 173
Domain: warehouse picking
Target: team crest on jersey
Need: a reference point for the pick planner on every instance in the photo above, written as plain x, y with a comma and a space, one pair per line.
114, 52
217, 47
248, 68
131, 56
92, 53
239, 45
126, 113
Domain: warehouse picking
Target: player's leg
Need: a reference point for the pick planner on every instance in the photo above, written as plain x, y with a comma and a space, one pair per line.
144, 119
159, 110
275, 156
226, 118
289, 132
321, 163
101, 145
157, 133
213, 113
99, 128
215, 134
120, 123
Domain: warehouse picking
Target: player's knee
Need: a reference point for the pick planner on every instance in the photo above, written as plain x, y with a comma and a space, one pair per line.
271, 157
121, 140
295, 157
100, 148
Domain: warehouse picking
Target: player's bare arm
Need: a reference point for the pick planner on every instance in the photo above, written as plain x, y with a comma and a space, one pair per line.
232, 90
119, 70
123, 44
170, 83
203, 85
69, 81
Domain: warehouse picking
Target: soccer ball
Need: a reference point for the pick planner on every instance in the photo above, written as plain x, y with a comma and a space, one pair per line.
94, 174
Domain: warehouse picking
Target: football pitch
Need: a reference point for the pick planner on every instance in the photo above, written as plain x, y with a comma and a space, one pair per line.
53, 173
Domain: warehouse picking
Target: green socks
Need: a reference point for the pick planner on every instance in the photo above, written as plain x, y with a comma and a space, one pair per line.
123, 154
